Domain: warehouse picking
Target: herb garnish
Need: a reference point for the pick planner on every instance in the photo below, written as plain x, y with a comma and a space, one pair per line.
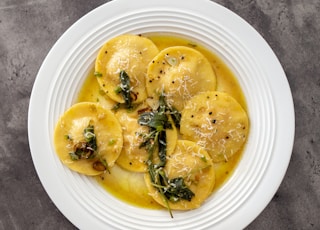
87, 149
158, 122
176, 116
125, 89
176, 189
97, 74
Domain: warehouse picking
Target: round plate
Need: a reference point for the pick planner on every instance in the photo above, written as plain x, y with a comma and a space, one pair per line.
269, 100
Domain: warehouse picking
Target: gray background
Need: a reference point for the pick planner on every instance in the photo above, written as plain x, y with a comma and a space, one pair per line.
29, 28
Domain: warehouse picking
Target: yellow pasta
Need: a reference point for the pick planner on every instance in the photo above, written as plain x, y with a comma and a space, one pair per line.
192, 163
217, 122
132, 157
180, 72
129, 53
88, 138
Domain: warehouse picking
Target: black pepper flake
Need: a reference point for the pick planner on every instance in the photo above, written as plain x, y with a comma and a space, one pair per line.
214, 121
150, 81
130, 163
208, 97
106, 51
227, 137
160, 71
153, 61
192, 116
172, 82
210, 113
104, 85
182, 57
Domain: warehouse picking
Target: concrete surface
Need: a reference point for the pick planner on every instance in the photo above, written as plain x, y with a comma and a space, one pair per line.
28, 29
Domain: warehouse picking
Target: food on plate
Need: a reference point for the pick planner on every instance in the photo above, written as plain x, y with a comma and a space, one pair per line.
88, 138
129, 55
181, 72
159, 118
216, 122
186, 180
133, 157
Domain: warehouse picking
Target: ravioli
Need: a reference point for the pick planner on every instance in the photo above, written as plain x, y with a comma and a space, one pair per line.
131, 83
71, 138
129, 53
217, 122
180, 72
192, 163
133, 157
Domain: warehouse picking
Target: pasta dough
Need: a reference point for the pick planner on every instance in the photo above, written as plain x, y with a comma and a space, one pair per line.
192, 163
217, 122
180, 72
69, 133
132, 157
129, 53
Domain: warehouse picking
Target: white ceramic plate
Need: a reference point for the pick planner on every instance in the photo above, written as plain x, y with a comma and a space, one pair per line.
270, 107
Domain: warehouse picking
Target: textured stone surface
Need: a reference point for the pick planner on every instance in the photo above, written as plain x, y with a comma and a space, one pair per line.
28, 29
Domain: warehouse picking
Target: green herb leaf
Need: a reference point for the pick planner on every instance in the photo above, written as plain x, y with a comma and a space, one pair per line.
158, 122
125, 88
162, 147
112, 142
176, 116
90, 137
118, 90
67, 137
177, 190
74, 156
105, 164
85, 149
115, 107
155, 120
97, 74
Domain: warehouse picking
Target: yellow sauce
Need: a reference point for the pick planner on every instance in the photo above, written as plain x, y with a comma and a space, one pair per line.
130, 186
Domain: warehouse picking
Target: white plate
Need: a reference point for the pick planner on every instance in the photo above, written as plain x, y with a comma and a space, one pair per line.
270, 107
